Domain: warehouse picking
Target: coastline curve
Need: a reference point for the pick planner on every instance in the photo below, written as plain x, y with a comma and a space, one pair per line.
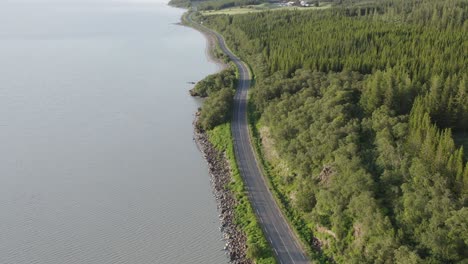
279, 234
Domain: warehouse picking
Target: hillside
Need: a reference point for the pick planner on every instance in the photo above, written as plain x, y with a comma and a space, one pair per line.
356, 108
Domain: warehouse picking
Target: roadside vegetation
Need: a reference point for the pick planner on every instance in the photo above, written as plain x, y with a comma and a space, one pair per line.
258, 248
226, 79
214, 119
354, 110
215, 116
219, 90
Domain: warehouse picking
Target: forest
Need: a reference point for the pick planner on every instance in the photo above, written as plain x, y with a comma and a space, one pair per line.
357, 108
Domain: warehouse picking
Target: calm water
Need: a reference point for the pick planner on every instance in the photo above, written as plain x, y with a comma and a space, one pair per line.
97, 162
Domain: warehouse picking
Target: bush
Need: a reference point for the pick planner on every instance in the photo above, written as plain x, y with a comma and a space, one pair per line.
217, 109
225, 79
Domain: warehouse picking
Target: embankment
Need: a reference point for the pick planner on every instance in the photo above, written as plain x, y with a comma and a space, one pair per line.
220, 173
246, 242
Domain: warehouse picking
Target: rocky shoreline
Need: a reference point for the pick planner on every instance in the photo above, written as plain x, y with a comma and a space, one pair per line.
220, 177
220, 174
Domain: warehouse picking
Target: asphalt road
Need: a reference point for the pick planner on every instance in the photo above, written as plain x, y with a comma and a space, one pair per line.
283, 241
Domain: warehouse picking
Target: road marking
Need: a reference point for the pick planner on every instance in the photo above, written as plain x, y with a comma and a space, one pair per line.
241, 125
284, 244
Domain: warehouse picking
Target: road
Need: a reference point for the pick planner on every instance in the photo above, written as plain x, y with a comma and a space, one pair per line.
283, 241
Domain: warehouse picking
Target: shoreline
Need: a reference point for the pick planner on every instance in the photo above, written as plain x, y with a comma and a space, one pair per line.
220, 173
211, 45
209, 50
260, 233
220, 177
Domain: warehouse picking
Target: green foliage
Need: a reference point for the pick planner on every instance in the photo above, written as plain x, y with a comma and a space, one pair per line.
219, 88
213, 83
180, 3
361, 102
446, 101
336, 40
305, 197
258, 248
391, 88
217, 109
293, 215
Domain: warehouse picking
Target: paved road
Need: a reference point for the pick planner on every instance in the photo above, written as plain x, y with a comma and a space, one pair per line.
284, 243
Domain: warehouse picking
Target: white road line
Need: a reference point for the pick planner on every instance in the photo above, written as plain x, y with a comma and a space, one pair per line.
241, 128
284, 244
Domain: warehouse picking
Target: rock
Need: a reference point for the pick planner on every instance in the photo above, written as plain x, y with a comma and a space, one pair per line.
220, 176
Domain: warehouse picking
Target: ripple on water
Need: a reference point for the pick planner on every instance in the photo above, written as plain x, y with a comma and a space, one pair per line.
96, 169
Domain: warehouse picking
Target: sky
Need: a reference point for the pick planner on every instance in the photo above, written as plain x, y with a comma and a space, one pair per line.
80, 1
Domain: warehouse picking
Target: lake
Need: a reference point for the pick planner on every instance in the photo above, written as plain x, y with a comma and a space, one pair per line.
98, 164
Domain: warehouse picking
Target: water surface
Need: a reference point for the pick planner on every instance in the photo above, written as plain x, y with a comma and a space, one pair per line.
97, 162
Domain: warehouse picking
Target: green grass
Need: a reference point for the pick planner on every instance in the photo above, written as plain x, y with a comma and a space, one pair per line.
260, 8
258, 248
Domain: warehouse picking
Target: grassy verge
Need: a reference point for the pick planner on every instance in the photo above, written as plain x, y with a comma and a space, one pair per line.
293, 216
258, 248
